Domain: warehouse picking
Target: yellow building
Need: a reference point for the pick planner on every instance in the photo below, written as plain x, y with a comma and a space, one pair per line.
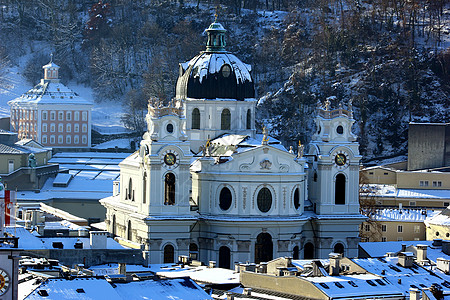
438, 227
396, 224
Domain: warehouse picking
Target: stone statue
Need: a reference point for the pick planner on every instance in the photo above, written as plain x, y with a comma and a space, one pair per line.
265, 136
31, 161
301, 148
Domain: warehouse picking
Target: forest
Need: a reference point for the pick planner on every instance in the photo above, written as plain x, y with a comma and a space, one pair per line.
390, 58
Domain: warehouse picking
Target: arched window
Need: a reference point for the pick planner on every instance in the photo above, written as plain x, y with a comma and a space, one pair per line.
144, 188
295, 253
263, 248
264, 199
113, 225
130, 190
224, 257
169, 189
296, 199
338, 248
195, 118
225, 120
169, 254
225, 199
308, 251
129, 233
339, 190
193, 251
249, 119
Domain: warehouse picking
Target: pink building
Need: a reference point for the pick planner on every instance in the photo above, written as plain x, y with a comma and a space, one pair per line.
52, 114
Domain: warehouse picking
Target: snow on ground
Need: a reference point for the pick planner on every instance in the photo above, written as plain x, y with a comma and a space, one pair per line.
119, 143
15, 85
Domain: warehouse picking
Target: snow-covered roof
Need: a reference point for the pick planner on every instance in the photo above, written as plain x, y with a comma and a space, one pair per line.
379, 249
201, 274
48, 92
77, 288
381, 190
404, 215
28, 241
442, 218
179, 288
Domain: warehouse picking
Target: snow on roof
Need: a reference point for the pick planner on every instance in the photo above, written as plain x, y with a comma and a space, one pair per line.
179, 288
380, 190
199, 274
442, 218
402, 277
404, 215
379, 249
77, 288
64, 224
48, 92
28, 241
112, 268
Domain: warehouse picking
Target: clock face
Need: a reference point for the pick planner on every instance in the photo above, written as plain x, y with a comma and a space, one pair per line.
4, 282
170, 159
226, 70
340, 159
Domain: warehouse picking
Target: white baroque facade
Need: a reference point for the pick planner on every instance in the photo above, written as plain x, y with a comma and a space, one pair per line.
204, 184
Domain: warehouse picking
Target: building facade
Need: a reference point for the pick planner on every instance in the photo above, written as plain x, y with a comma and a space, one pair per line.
205, 184
52, 114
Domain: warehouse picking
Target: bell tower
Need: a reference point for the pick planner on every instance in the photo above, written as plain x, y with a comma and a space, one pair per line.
334, 172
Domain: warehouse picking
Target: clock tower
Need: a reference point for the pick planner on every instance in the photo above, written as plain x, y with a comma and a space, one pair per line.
334, 180
9, 265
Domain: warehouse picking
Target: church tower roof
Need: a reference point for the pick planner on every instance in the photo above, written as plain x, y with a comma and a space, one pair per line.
215, 73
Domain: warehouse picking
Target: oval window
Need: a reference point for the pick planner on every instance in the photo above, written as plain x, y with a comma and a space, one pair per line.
169, 128
340, 129
296, 199
225, 199
264, 200
226, 71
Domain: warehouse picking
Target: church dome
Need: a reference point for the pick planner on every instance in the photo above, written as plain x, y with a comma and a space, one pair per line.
215, 73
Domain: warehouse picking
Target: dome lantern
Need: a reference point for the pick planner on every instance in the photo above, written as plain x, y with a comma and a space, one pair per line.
216, 38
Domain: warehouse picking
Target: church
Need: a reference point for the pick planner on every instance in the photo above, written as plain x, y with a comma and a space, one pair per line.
205, 184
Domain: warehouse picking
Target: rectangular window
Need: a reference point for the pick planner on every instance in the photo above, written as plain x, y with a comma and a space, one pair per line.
439, 183
84, 116
434, 183
84, 128
44, 139
399, 239
44, 127
412, 203
386, 173
52, 127
399, 228
52, 139
52, 115
367, 227
60, 127
77, 116
44, 115
383, 239
68, 127
370, 173
416, 228
421, 183
84, 139
68, 139
76, 128
60, 139
383, 228
60, 116
426, 183
76, 139
69, 116
416, 239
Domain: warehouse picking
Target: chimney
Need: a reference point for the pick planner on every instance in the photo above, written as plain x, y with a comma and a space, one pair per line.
212, 264
263, 267
421, 253
123, 268
403, 248
446, 247
390, 254
317, 268
437, 242
248, 291
98, 239
335, 264
414, 294
230, 296
405, 259
443, 265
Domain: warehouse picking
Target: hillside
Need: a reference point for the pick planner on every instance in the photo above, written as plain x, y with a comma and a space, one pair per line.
390, 58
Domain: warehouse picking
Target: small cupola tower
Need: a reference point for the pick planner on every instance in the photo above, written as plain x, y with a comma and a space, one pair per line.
216, 38
51, 71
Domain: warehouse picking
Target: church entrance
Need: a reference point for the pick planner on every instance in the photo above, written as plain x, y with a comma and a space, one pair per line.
263, 248
224, 257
